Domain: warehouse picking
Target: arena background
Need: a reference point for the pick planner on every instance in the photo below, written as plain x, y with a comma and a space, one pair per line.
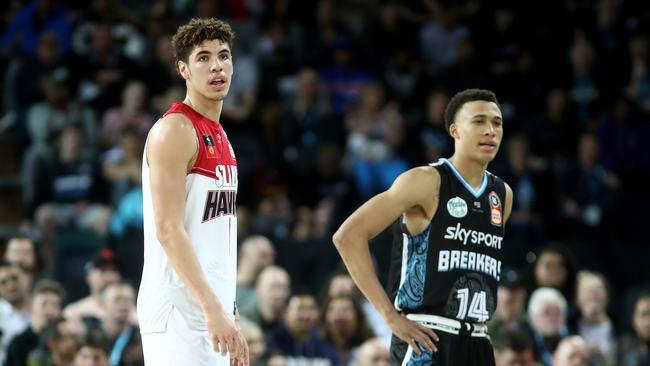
329, 100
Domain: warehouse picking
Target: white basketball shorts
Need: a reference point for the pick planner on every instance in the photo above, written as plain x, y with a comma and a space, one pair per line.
180, 345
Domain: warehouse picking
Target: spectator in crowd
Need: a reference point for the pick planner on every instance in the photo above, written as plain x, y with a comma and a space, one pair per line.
100, 272
554, 266
58, 344
434, 139
306, 127
298, 337
588, 193
375, 134
122, 165
547, 314
93, 350
131, 113
21, 251
104, 69
510, 315
67, 191
23, 77
341, 284
46, 300
514, 348
59, 109
14, 303
13, 289
586, 90
373, 352
118, 300
256, 343
572, 351
593, 324
256, 253
345, 327
553, 133
522, 172
638, 83
635, 348
31, 21
272, 290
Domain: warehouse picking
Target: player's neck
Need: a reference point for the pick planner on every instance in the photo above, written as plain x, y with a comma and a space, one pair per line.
471, 170
204, 106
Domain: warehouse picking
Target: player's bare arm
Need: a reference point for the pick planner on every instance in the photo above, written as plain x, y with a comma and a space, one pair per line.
413, 193
508, 208
171, 150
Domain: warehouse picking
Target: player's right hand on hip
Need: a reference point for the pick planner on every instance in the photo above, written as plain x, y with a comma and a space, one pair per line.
412, 333
224, 334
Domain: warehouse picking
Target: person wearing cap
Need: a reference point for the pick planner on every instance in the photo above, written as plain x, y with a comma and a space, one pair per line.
510, 314
100, 271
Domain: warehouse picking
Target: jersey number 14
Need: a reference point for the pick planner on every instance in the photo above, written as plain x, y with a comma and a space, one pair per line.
476, 309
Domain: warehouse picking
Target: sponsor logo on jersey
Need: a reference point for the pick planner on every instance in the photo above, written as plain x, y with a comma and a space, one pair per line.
457, 207
473, 237
495, 209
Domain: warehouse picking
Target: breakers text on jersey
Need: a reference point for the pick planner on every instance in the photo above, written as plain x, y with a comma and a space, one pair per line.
461, 259
474, 237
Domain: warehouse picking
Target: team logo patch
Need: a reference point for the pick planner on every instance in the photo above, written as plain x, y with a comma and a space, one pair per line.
209, 143
457, 207
494, 200
495, 209
207, 140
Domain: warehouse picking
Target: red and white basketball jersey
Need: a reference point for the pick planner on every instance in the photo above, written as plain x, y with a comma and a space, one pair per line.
210, 221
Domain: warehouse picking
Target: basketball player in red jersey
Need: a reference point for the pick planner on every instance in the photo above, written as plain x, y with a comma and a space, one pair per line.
186, 304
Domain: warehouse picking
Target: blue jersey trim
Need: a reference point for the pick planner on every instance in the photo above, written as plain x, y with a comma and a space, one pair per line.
476, 193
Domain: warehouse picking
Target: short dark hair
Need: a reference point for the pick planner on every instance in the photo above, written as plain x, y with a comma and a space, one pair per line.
96, 339
46, 286
516, 340
465, 96
196, 32
51, 331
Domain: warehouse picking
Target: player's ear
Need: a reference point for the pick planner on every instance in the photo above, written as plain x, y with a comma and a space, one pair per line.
183, 70
453, 130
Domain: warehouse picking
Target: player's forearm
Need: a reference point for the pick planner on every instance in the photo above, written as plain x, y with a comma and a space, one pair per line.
356, 255
183, 259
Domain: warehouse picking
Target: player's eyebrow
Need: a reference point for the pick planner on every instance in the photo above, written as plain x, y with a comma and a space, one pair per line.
486, 116
202, 52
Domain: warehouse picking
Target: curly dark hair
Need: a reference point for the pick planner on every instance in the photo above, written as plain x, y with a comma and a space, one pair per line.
196, 32
466, 96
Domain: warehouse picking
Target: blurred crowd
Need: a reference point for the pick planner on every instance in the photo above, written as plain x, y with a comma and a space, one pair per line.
330, 101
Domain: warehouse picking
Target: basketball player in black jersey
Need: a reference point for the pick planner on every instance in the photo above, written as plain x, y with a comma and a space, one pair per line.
447, 259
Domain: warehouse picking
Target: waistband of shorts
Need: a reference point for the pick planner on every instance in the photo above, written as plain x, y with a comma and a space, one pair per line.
451, 326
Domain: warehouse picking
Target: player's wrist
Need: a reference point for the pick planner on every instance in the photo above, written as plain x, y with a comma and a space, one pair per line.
211, 305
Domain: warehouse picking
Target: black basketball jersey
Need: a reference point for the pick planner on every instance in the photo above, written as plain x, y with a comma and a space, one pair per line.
452, 268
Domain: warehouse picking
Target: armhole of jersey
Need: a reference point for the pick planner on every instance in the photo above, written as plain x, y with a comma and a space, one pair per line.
438, 166
196, 137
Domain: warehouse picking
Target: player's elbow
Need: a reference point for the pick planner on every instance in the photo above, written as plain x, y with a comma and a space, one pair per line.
340, 238
165, 232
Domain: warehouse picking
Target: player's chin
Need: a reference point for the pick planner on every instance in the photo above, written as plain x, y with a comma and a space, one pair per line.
486, 157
